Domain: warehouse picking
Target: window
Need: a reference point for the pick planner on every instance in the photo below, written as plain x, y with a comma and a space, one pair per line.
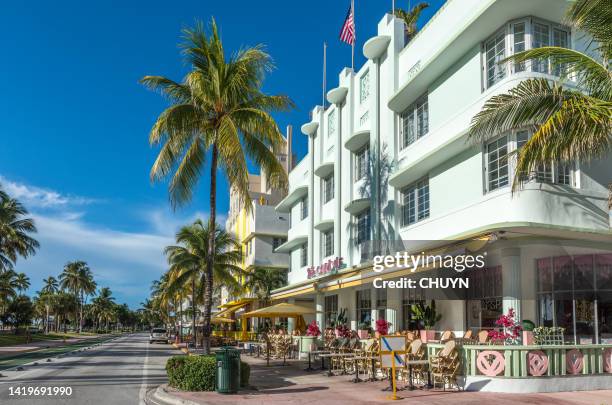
519, 36
328, 243
304, 255
328, 188
364, 306
540, 38
411, 296
381, 302
499, 170
518, 31
361, 162
415, 121
497, 163
363, 226
364, 87
331, 310
304, 208
331, 122
485, 297
495, 51
415, 202
574, 293
276, 242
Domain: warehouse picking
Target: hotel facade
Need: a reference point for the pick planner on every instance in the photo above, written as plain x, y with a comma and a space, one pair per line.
389, 164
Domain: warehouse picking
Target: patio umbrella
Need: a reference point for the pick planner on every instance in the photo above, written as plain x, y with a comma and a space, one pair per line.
282, 310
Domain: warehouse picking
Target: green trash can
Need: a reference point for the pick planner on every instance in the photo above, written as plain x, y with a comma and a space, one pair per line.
228, 370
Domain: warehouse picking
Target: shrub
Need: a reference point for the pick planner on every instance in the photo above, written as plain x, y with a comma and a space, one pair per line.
245, 373
191, 373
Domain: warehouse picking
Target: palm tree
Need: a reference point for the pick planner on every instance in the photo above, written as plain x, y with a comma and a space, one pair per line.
218, 108
78, 278
411, 17
103, 306
22, 281
47, 295
569, 124
8, 288
262, 280
189, 260
14, 232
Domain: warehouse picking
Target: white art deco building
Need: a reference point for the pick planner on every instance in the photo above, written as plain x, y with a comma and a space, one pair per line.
389, 160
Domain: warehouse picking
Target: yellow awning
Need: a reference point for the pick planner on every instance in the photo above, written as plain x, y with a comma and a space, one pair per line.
220, 319
237, 302
283, 310
228, 311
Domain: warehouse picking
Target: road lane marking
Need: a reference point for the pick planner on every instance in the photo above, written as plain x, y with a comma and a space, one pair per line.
143, 386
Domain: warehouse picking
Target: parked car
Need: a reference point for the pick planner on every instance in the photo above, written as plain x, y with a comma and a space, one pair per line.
158, 335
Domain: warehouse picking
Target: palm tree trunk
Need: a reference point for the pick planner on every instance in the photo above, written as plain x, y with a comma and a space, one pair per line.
208, 281
47, 320
180, 334
193, 310
81, 314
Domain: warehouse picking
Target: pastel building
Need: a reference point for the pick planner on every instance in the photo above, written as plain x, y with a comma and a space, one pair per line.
389, 161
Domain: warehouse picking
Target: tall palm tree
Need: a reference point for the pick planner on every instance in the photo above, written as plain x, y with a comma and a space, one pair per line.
189, 260
47, 296
411, 17
570, 124
262, 280
15, 230
22, 281
103, 306
78, 278
220, 110
8, 288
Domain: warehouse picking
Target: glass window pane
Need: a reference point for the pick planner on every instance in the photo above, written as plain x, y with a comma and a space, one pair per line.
562, 273
541, 38
497, 163
495, 51
518, 31
583, 273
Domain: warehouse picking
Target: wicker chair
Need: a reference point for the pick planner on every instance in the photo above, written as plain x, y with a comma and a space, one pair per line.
446, 369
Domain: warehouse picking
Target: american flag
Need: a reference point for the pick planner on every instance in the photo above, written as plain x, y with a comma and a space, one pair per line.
347, 34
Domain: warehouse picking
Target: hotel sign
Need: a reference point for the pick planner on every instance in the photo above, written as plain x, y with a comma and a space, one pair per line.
329, 267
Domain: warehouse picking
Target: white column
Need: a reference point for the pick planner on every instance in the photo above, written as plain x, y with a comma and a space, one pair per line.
394, 303
320, 310
511, 280
373, 306
290, 321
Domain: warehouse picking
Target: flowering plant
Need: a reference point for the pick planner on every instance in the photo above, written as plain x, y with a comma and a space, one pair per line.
343, 331
313, 329
382, 326
511, 329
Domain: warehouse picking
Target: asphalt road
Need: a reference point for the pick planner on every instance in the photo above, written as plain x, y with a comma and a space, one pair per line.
117, 372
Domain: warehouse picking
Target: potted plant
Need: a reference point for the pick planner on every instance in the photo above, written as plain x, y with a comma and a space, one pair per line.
510, 329
382, 327
310, 340
340, 323
428, 316
528, 327
364, 330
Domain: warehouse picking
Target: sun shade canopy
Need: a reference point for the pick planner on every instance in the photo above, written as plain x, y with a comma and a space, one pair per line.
279, 310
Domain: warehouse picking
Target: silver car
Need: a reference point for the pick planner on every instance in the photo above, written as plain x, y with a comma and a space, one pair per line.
158, 335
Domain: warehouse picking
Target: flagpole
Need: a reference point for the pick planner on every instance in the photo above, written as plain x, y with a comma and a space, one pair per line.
355, 36
324, 73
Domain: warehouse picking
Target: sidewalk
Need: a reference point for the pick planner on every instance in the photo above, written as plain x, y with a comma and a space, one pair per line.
292, 385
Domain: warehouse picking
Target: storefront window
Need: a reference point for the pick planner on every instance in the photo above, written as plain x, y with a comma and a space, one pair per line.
410, 296
485, 303
381, 302
331, 309
577, 297
364, 306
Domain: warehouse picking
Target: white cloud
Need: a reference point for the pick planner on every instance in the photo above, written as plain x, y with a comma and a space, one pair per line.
37, 197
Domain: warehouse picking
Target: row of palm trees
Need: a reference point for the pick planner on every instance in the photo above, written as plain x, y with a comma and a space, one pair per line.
219, 117
186, 278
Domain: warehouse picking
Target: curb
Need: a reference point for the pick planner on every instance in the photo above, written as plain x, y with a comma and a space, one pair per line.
161, 396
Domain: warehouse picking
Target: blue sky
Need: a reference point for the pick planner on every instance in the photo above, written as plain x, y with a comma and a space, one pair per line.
73, 144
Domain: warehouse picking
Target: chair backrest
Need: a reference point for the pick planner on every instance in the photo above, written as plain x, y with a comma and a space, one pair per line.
415, 346
483, 336
468, 334
446, 336
449, 346
410, 335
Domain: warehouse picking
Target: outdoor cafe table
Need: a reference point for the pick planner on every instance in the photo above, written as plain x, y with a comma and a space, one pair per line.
411, 363
314, 353
372, 359
330, 355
